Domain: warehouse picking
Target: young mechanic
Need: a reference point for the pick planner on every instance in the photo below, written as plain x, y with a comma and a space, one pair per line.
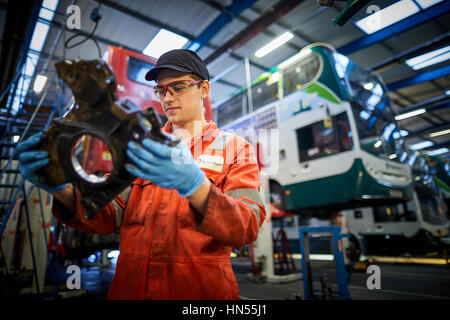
181, 218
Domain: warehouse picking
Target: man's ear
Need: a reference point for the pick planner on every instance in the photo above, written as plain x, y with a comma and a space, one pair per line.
205, 87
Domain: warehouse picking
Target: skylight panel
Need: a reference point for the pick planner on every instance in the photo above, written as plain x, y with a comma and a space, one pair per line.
39, 36
437, 59
438, 151
421, 145
164, 41
388, 16
429, 58
424, 4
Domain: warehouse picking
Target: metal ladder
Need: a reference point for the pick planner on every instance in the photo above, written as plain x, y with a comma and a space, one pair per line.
14, 127
30, 119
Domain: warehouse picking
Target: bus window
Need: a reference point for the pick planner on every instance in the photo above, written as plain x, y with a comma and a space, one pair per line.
301, 73
230, 110
137, 69
344, 132
432, 206
372, 128
394, 213
316, 141
263, 93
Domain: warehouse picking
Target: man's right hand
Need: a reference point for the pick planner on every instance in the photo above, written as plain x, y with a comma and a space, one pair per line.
32, 160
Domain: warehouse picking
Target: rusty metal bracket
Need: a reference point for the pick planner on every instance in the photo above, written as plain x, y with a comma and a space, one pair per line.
98, 114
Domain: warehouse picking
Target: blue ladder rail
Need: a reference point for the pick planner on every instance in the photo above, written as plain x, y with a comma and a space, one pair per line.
335, 232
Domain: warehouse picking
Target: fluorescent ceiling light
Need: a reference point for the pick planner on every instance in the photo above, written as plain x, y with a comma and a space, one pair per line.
413, 158
164, 41
403, 157
39, 83
50, 4
438, 151
439, 133
410, 114
387, 16
392, 156
421, 145
113, 254
429, 58
48, 9
402, 133
426, 56
30, 64
368, 86
447, 92
39, 36
378, 144
435, 60
285, 37
427, 3
46, 14
294, 58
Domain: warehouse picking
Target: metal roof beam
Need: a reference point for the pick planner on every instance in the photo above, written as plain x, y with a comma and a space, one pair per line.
293, 29
423, 103
113, 43
439, 107
271, 15
247, 21
224, 18
445, 144
439, 41
158, 24
429, 75
399, 27
427, 130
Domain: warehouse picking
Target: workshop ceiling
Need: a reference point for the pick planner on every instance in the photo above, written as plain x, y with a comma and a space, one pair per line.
132, 24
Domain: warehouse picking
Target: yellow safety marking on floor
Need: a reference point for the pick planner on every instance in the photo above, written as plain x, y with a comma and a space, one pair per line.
319, 257
409, 260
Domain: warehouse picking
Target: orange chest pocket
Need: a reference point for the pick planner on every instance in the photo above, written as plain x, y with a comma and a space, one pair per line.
140, 202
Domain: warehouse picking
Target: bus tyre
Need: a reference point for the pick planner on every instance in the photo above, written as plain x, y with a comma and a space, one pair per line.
424, 242
354, 249
277, 197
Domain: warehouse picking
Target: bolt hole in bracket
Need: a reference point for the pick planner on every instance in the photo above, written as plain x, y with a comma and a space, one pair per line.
99, 118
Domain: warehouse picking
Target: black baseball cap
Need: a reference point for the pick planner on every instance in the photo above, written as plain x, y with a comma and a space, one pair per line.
182, 60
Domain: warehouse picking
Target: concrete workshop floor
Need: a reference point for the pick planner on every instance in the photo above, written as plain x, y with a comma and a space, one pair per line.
398, 282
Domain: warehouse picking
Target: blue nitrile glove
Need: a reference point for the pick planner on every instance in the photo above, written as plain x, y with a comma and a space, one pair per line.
168, 167
31, 161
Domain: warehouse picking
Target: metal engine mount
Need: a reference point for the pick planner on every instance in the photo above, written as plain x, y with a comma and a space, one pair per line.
98, 114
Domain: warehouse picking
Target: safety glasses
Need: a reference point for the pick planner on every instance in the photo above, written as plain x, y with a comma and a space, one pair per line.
175, 88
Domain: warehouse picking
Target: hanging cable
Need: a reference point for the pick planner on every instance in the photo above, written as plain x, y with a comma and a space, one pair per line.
96, 15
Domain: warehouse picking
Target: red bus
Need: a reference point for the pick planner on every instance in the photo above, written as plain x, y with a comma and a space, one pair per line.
130, 68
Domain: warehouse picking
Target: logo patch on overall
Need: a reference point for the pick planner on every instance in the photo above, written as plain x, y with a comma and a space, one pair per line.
214, 163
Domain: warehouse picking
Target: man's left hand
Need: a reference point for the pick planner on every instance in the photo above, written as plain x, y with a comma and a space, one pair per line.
168, 167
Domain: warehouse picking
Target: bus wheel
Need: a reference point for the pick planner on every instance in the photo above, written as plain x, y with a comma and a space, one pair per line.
354, 249
277, 195
424, 242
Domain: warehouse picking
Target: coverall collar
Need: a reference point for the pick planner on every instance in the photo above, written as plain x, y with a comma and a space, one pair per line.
208, 134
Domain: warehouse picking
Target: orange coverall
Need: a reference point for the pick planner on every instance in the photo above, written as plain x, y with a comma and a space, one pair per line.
167, 250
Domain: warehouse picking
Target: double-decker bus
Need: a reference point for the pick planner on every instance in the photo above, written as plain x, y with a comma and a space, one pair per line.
340, 151
336, 148
416, 226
